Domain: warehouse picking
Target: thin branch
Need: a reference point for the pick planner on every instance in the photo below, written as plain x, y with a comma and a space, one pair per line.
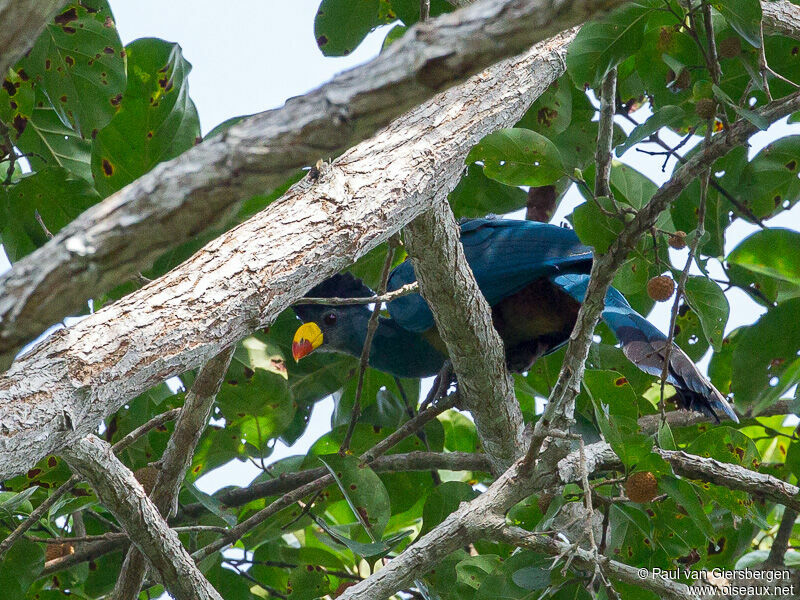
605, 135
406, 290
363, 363
175, 462
781, 542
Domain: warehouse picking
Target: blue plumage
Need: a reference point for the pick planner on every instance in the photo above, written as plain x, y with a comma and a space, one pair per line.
534, 276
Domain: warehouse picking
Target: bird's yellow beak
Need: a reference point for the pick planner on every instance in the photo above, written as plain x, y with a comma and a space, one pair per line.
306, 339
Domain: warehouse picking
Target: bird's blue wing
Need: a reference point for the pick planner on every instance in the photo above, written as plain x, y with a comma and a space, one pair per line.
505, 255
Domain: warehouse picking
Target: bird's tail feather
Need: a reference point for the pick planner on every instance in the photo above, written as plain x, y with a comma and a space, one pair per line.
644, 345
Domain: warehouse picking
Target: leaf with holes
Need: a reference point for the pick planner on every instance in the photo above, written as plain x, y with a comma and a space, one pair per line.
518, 157
79, 63
363, 490
156, 121
770, 252
708, 301
339, 27
764, 350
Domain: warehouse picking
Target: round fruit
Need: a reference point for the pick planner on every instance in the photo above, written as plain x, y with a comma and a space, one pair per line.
677, 240
661, 288
641, 486
705, 108
730, 47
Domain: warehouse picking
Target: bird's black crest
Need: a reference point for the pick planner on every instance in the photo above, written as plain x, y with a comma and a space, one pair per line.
341, 285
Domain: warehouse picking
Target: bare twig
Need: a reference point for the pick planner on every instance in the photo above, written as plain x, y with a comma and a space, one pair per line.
781, 542
679, 292
363, 363
406, 290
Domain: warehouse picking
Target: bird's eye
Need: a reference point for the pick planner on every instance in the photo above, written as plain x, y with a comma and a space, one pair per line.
330, 318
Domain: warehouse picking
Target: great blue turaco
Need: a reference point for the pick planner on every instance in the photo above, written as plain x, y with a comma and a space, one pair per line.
534, 276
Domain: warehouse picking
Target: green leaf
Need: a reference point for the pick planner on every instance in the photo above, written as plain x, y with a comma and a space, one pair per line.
442, 501
601, 45
771, 182
460, 434
307, 582
19, 568
339, 27
744, 16
477, 195
708, 301
11, 502
764, 350
156, 120
532, 578
594, 227
552, 112
79, 63
408, 10
666, 116
684, 494
771, 252
371, 550
474, 569
727, 445
213, 505
363, 490
57, 196
788, 379
752, 116
518, 157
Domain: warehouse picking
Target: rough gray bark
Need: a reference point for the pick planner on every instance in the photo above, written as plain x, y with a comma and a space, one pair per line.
464, 321
175, 462
118, 490
66, 384
782, 18
23, 21
196, 191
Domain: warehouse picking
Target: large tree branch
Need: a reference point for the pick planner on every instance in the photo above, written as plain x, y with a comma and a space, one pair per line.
392, 463
464, 321
781, 18
23, 21
118, 490
79, 375
180, 198
175, 461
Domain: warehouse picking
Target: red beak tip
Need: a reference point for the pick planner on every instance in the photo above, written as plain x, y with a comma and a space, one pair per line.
301, 349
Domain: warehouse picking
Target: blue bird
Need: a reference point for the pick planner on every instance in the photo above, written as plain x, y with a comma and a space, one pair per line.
534, 276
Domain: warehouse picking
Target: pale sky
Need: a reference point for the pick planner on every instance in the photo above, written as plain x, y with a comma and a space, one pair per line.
249, 56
